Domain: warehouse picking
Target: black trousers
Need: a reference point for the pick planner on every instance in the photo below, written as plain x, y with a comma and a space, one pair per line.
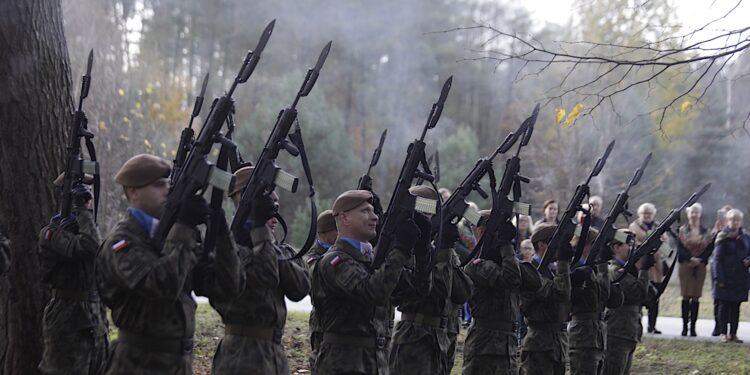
729, 314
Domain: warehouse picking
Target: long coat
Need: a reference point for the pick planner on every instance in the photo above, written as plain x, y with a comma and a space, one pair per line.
731, 280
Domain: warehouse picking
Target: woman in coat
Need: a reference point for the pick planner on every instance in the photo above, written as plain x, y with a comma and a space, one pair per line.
730, 274
642, 228
693, 249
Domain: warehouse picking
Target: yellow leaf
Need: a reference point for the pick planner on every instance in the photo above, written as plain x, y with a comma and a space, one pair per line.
573, 115
215, 152
121, 92
173, 152
686, 106
559, 114
147, 143
125, 119
163, 145
149, 88
138, 105
102, 126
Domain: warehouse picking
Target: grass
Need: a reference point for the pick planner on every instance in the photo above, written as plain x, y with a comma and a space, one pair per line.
670, 302
653, 356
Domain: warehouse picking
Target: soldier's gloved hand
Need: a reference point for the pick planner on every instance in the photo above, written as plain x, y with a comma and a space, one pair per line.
648, 262
605, 255
450, 236
421, 245
81, 195
406, 236
580, 275
565, 252
264, 208
194, 211
506, 233
377, 206
69, 224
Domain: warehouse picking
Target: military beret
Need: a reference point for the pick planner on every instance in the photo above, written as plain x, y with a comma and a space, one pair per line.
350, 200
87, 179
141, 170
424, 191
241, 177
326, 222
622, 235
543, 232
485, 214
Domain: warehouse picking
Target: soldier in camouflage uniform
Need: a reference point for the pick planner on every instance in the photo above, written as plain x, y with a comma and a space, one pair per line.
254, 321
74, 323
149, 288
545, 347
624, 329
590, 294
4, 251
346, 289
327, 233
491, 344
424, 301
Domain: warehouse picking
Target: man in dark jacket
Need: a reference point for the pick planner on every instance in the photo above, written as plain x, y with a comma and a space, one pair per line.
74, 323
729, 272
346, 290
149, 288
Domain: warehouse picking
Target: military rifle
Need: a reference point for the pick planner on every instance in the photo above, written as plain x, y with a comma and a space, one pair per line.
510, 183
198, 173
75, 166
608, 231
403, 203
567, 227
653, 242
267, 175
365, 182
187, 137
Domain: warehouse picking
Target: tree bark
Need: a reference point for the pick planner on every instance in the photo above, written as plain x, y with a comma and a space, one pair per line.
35, 107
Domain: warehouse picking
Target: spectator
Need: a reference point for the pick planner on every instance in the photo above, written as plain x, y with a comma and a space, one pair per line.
444, 194
550, 212
527, 251
729, 273
642, 228
721, 222
524, 226
693, 250
595, 205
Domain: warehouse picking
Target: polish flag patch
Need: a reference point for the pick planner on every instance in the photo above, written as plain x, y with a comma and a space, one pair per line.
48, 234
119, 245
311, 260
477, 261
335, 261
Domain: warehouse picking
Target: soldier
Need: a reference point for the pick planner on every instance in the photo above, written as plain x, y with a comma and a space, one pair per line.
491, 344
4, 251
74, 323
624, 329
346, 289
545, 347
590, 293
254, 321
148, 288
424, 303
327, 233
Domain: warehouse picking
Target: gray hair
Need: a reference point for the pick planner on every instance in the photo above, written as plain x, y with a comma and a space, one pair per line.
647, 207
596, 198
735, 212
695, 206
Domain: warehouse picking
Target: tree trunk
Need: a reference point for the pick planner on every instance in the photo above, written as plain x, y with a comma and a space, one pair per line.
34, 113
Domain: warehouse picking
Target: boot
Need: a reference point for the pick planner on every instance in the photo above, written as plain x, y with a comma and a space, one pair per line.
693, 317
716, 319
686, 310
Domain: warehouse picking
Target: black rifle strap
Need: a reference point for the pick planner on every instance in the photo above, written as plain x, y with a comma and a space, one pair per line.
97, 179
486, 233
296, 139
582, 238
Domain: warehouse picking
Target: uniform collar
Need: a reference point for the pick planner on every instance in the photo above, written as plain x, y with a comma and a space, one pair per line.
351, 247
147, 222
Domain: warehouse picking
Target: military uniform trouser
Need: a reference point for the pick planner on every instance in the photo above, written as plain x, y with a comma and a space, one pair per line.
540, 363
451, 354
136, 354
586, 361
619, 356
315, 339
81, 352
490, 364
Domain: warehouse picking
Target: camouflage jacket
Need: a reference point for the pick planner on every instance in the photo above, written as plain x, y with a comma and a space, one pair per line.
345, 293
148, 289
586, 328
495, 302
545, 310
312, 257
625, 321
68, 264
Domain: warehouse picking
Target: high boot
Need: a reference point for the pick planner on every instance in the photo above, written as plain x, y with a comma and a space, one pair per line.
685, 316
693, 317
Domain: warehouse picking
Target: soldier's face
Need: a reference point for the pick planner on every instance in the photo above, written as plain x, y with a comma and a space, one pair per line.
621, 250
361, 222
151, 198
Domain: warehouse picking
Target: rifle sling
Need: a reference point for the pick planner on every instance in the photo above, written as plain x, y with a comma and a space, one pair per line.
296, 139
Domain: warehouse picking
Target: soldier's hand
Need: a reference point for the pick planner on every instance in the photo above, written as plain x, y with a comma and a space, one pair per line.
194, 211
81, 195
69, 224
605, 255
565, 252
450, 236
406, 236
222, 228
506, 233
648, 262
423, 242
264, 208
377, 206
